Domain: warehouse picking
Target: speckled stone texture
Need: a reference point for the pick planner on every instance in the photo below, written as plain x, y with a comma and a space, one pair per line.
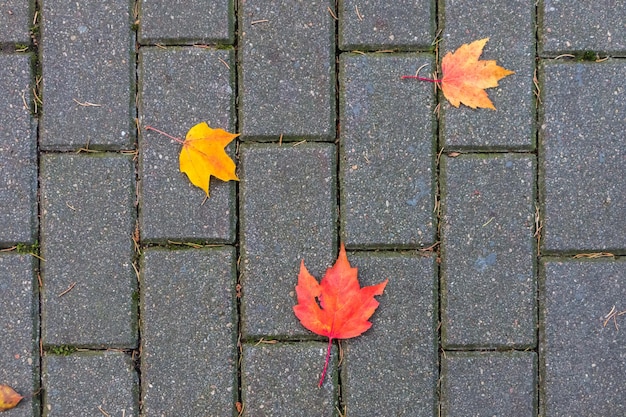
188, 333
583, 155
18, 147
180, 87
88, 219
510, 27
570, 26
386, 172
489, 384
15, 20
583, 347
287, 70
371, 24
88, 63
90, 384
19, 351
281, 380
392, 369
288, 214
183, 21
488, 251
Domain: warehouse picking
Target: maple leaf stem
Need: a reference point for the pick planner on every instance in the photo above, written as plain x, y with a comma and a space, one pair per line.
179, 140
330, 345
417, 77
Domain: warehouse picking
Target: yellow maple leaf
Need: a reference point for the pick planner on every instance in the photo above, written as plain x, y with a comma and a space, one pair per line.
203, 156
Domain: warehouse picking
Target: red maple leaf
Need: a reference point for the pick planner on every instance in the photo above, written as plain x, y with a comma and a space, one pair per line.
337, 307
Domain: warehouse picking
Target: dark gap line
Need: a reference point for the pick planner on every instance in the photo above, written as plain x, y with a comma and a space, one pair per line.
238, 354
439, 147
341, 369
136, 353
36, 68
539, 214
503, 349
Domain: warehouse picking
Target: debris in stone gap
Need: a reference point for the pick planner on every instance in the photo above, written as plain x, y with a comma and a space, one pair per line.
203, 155
465, 77
337, 307
8, 397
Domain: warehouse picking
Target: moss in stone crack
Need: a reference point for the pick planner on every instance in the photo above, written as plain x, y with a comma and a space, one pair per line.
587, 56
62, 350
27, 249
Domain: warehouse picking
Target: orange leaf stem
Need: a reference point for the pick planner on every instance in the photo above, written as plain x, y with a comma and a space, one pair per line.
179, 140
330, 344
417, 77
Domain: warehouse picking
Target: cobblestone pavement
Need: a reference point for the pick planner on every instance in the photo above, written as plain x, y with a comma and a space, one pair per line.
123, 293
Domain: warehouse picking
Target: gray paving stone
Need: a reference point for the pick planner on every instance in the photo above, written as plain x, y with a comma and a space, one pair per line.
88, 219
386, 176
281, 380
489, 384
188, 336
585, 360
510, 27
287, 70
19, 358
573, 26
370, 24
582, 156
288, 213
90, 384
15, 19
180, 87
392, 369
488, 251
198, 21
87, 56
18, 147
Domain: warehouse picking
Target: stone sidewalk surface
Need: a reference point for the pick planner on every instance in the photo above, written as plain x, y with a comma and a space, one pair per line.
502, 234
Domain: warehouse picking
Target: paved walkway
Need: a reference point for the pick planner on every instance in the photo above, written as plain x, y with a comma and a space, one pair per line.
123, 293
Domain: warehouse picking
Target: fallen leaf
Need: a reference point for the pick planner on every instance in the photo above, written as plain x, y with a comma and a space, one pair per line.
203, 155
465, 77
337, 307
8, 397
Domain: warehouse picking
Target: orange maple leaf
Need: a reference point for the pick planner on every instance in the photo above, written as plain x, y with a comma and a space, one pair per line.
344, 307
8, 397
465, 77
203, 155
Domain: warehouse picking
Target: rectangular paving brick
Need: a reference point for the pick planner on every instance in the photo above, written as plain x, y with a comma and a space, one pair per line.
488, 251
583, 346
15, 21
489, 384
90, 384
197, 21
288, 210
392, 368
510, 27
88, 219
19, 350
386, 177
287, 70
18, 148
180, 87
371, 24
281, 380
188, 334
569, 26
582, 156
88, 62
